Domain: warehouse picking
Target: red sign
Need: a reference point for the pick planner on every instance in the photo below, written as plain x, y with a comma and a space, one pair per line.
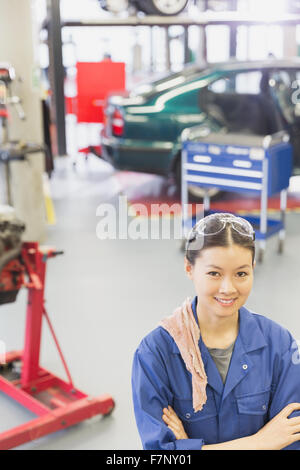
95, 80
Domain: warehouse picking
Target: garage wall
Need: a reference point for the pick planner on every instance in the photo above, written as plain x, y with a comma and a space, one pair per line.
17, 33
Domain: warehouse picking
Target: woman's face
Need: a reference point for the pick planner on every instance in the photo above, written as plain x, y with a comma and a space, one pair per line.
223, 278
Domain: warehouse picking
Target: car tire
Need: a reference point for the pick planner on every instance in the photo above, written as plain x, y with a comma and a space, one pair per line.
195, 193
154, 7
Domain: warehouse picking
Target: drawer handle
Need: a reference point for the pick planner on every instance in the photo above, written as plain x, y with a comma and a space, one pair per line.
202, 159
242, 164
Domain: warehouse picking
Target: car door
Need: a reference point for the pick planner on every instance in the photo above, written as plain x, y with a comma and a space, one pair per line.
285, 90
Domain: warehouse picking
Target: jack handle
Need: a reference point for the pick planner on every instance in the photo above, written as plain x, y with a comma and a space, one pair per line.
51, 253
57, 253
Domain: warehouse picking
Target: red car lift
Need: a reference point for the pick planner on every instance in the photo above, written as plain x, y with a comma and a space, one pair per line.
57, 403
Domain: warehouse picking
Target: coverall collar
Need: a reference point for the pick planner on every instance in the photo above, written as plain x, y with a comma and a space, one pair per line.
250, 338
249, 331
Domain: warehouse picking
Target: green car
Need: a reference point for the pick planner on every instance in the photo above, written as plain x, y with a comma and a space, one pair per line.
143, 130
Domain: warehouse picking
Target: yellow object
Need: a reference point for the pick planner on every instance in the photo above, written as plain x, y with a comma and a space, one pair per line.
50, 211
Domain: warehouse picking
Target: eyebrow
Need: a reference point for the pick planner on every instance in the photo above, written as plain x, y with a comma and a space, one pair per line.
218, 267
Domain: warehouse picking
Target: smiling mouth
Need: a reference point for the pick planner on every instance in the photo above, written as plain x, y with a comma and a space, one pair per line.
225, 302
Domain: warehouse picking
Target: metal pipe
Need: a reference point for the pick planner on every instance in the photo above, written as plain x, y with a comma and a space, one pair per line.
57, 73
168, 53
186, 44
206, 18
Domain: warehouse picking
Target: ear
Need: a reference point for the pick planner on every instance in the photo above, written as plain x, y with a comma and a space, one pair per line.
188, 268
254, 264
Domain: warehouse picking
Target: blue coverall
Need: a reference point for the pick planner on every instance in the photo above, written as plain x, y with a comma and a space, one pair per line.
263, 377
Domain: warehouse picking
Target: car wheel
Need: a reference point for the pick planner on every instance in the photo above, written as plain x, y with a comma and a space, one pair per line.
195, 193
162, 7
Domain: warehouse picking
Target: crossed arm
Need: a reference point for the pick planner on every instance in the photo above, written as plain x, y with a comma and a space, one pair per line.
278, 433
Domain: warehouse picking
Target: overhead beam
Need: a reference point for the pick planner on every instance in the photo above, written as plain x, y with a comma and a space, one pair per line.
205, 19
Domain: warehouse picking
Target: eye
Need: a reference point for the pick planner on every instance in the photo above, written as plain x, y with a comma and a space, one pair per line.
214, 274
242, 274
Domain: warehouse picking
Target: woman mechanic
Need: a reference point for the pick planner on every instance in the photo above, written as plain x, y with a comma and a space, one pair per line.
213, 375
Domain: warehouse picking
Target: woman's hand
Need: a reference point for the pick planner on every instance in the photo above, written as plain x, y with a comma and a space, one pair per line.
281, 431
173, 422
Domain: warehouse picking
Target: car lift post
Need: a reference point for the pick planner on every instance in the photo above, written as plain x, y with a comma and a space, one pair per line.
57, 403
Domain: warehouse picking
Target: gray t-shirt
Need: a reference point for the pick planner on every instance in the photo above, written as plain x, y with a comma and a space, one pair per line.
222, 359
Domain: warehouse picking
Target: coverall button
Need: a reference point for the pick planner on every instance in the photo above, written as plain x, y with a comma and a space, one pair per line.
245, 366
188, 415
264, 407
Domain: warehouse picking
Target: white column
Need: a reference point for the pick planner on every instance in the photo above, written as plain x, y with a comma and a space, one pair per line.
201, 52
18, 46
290, 47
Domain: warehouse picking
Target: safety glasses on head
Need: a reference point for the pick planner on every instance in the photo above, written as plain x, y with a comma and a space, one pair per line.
215, 223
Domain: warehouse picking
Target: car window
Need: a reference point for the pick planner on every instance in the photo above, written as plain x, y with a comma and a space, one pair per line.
239, 83
295, 81
239, 102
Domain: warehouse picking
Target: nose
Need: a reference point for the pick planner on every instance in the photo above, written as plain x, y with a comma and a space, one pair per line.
227, 287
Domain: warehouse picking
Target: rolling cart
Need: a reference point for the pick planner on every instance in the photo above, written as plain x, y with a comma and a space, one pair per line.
240, 163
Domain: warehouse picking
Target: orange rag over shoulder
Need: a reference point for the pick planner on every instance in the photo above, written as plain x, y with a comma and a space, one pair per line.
183, 328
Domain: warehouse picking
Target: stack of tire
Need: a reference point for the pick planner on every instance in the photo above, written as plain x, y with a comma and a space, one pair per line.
150, 7
161, 7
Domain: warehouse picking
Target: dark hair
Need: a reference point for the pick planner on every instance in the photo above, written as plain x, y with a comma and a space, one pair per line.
226, 237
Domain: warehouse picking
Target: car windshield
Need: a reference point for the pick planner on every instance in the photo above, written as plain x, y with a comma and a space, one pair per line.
165, 82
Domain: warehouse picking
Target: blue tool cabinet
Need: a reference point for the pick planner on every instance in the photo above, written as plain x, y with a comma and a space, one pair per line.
239, 163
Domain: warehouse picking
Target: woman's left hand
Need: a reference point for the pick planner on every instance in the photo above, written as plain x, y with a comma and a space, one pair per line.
173, 422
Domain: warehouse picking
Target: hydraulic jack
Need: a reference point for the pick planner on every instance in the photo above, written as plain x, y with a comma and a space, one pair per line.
58, 404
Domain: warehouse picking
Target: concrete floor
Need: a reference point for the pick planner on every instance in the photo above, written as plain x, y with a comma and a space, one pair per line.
103, 296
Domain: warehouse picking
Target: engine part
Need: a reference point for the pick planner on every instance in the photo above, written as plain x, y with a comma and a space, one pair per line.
11, 267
